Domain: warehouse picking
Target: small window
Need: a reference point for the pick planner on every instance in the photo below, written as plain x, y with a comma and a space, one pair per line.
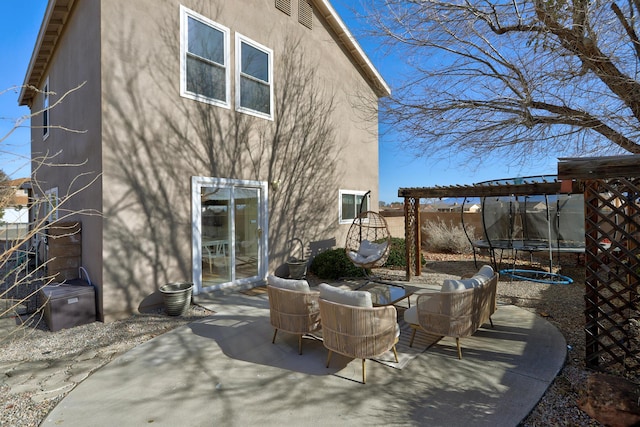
204, 59
51, 204
305, 13
45, 109
284, 6
254, 88
350, 203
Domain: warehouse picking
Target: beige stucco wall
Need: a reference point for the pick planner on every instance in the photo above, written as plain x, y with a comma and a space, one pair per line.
153, 141
72, 152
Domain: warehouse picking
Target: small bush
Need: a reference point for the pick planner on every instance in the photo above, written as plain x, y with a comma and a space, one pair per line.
333, 264
397, 254
447, 238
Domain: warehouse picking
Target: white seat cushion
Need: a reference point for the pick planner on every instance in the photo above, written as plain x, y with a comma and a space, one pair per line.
485, 271
411, 315
452, 285
291, 284
342, 296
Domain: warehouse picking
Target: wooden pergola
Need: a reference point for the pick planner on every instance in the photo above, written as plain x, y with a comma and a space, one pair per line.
611, 188
412, 196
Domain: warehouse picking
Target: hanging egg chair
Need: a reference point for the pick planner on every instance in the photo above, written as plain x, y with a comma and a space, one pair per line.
368, 240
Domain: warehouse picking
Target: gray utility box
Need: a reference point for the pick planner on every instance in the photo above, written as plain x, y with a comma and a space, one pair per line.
67, 305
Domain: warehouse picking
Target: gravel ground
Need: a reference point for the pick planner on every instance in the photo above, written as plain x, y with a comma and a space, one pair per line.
97, 344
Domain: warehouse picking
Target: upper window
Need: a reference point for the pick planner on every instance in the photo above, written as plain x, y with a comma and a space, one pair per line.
254, 70
350, 203
204, 59
45, 109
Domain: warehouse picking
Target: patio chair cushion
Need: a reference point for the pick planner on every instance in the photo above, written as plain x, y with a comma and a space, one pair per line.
480, 278
291, 284
411, 315
367, 252
485, 271
346, 297
455, 285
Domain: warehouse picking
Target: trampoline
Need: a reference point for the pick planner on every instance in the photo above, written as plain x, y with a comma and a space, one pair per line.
550, 223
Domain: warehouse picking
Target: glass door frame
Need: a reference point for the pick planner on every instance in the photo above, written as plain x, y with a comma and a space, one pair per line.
197, 183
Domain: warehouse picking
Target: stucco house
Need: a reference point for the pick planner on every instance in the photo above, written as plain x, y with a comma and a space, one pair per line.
200, 140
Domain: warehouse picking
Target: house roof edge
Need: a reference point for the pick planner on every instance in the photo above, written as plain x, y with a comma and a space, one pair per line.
45, 44
378, 83
48, 36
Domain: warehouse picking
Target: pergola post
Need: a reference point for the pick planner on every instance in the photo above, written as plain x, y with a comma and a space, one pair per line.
412, 236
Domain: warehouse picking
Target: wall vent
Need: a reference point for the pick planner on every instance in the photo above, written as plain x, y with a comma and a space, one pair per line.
284, 6
305, 13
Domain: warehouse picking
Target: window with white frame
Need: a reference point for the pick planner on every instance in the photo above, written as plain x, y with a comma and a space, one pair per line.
350, 202
45, 109
51, 204
204, 59
254, 75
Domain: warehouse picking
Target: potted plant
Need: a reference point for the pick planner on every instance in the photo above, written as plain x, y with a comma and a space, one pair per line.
177, 297
297, 266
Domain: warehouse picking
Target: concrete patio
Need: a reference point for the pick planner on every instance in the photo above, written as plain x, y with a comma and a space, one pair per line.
224, 370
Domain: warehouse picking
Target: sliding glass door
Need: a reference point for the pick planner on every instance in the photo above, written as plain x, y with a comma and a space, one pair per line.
229, 232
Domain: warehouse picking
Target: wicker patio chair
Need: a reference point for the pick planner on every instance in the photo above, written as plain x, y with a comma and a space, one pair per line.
456, 313
358, 332
293, 311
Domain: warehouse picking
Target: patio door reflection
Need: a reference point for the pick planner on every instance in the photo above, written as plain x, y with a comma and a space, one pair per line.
247, 232
215, 240
230, 236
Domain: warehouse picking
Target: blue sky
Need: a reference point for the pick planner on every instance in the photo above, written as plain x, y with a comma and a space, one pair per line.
19, 24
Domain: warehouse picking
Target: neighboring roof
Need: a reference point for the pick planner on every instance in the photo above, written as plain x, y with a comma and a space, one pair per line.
58, 11
16, 183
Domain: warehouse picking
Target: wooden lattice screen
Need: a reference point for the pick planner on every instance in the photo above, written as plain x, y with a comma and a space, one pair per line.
612, 221
412, 236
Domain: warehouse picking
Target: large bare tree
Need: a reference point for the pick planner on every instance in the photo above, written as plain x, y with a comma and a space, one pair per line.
521, 78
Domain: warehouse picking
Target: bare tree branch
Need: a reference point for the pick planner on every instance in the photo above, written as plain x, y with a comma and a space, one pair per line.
519, 77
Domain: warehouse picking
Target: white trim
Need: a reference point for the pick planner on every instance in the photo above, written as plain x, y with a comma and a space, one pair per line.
243, 39
46, 104
197, 182
355, 193
185, 14
352, 45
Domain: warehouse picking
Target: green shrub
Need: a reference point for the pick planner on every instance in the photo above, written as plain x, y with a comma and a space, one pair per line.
333, 264
397, 254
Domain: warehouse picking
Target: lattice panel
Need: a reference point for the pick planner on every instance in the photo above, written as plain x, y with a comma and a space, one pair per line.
612, 232
412, 233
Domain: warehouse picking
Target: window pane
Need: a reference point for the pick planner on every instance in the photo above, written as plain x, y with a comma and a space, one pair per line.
255, 95
365, 205
206, 42
348, 206
255, 62
205, 79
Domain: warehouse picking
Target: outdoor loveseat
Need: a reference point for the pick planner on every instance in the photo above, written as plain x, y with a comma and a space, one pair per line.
458, 310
